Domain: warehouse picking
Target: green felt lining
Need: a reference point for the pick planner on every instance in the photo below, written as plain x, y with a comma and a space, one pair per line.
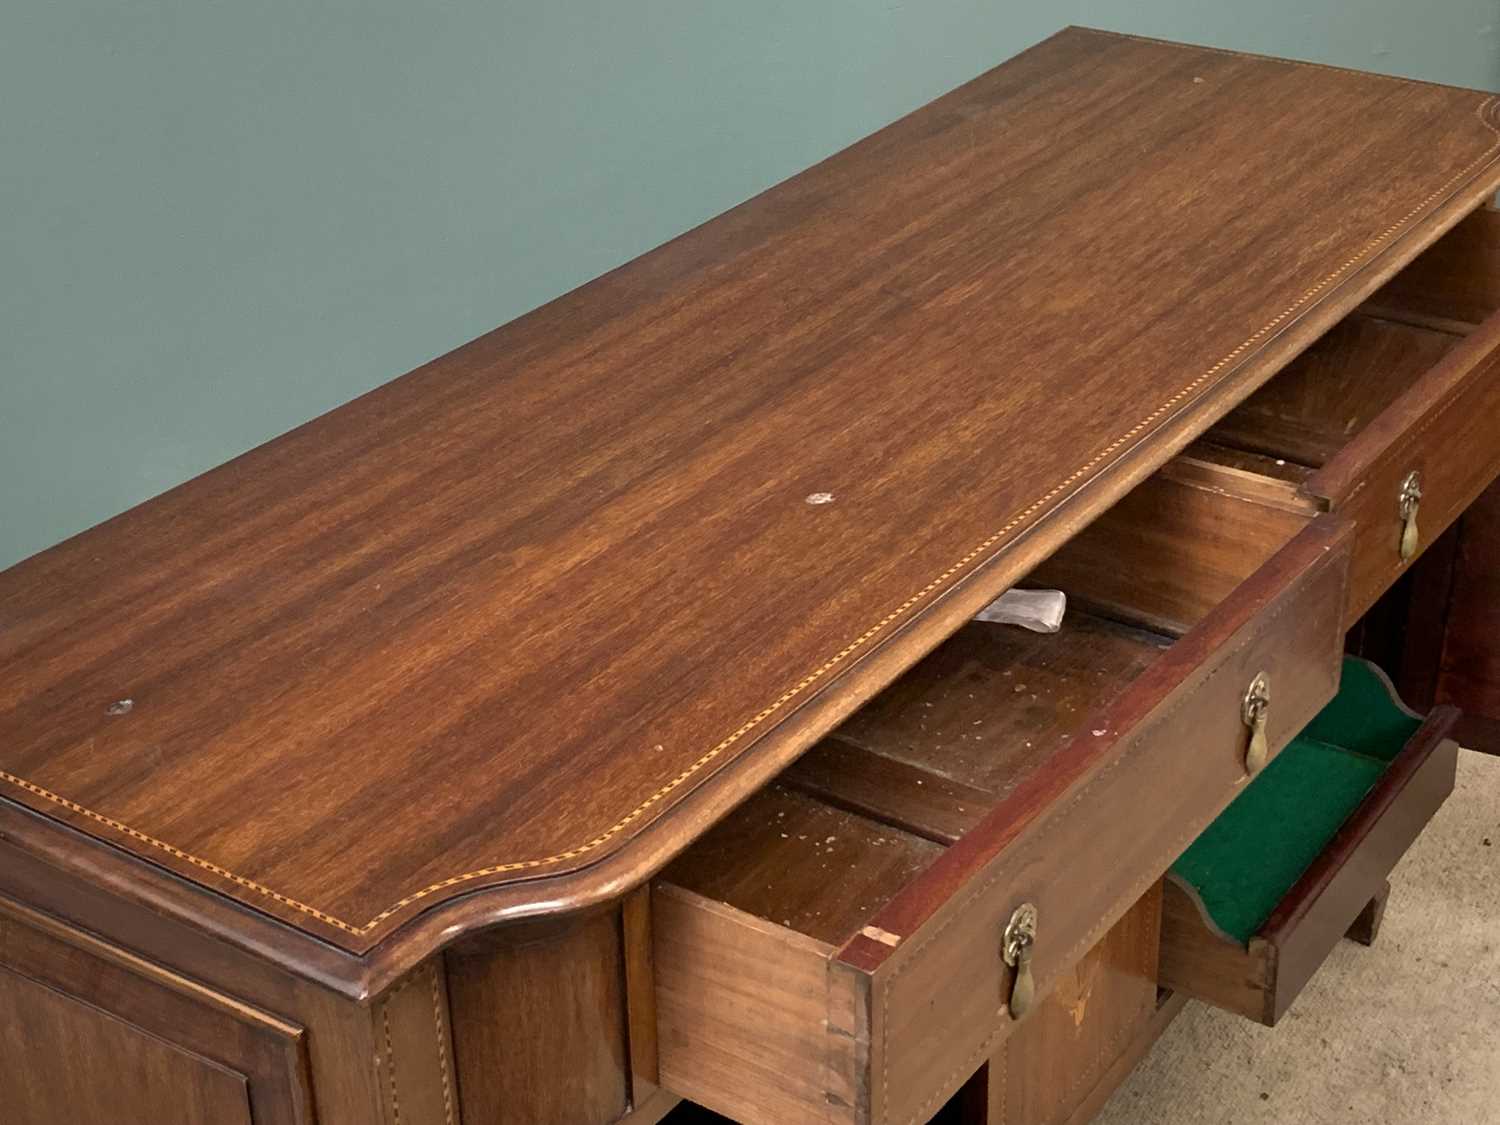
1248, 858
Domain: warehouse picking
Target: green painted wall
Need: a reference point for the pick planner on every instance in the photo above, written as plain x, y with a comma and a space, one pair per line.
219, 219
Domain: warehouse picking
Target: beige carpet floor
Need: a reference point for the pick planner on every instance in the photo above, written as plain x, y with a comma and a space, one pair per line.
1405, 1031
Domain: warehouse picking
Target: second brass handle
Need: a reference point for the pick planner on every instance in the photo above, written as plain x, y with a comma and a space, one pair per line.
1015, 950
1410, 502
1255, 710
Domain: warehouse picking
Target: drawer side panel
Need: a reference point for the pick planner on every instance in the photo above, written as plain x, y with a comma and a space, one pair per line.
742, 1009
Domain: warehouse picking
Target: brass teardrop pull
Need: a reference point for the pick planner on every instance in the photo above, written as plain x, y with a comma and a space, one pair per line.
1256, 711
1410, 501
1020, 936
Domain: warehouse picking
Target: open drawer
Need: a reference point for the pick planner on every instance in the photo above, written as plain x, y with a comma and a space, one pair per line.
833, 951
1391, 416
1261, 898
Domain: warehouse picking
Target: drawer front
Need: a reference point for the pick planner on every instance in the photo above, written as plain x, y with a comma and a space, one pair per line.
1085, 839
1326, 902
1259, 976
1443, 430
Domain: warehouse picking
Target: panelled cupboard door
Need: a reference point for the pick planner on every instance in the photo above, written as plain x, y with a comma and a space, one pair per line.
73, 1008
45, 1036
1467, 674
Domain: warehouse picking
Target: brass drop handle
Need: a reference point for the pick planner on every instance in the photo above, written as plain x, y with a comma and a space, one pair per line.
1256, 711
1020, 936
1410, 500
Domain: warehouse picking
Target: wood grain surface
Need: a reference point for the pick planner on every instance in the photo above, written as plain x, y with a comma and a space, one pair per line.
156, 1082
550, 604
1340, 385
1061, 841
1047, 1069
539, 1023
1468, 674
92, 1033
1442, 427
1340, 894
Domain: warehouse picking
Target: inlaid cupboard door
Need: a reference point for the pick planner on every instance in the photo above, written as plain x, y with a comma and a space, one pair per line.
73, 1008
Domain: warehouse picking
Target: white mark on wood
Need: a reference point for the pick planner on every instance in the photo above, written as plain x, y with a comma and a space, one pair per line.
816, 498
120, 707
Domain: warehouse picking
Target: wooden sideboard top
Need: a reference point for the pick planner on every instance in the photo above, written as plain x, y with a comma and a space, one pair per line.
529, 618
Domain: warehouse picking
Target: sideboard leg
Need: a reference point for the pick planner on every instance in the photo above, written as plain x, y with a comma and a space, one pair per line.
1367, 926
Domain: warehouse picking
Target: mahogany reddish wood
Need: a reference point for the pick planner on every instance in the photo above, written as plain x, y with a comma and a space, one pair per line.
1377, 399
1174, 548
1260, 979
539, 1023
1442, 428
546, 607
913, 998
1457, 280
1310, 411
640, 1000
1061, 841
1366, 927
74, 1009
1468, 674
415, 1058
44, 1035
908, 797
990, 705
795, 861
1045, 1072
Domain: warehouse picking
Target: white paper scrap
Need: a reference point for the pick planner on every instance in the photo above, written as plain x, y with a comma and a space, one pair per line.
1041, 611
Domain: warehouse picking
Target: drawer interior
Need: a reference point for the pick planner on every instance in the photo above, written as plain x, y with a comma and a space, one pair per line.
1247, 860
1313, 408
933, 753
1454, 284
747, 920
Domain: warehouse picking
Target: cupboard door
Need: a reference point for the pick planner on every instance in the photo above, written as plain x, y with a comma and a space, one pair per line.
74, 1009
1055, 1063
1469, 671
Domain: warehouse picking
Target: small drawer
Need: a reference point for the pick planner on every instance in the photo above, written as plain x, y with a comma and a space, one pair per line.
1262, 897
1390, 417
832, 951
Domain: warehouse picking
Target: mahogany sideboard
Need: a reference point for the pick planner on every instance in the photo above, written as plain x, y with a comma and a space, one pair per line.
595, 717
